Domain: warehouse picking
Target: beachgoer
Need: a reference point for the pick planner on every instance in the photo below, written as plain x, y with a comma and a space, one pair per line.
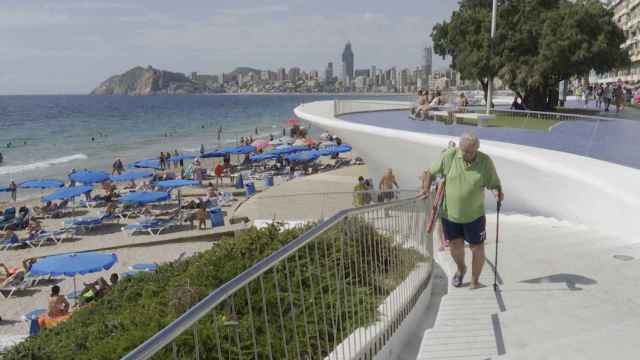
219, 133
467, 172
284, 132
175, 155
586, 94
162, 161
202, 216
437, 100
256, 130
599, 92
58, 304
387, 182
201, 149
167, 159
1, 158
218, 171
13, 187
358, 192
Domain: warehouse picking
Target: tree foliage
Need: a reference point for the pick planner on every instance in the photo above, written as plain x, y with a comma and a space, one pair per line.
538, 43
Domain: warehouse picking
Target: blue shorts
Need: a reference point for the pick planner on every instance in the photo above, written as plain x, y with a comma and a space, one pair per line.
474, 232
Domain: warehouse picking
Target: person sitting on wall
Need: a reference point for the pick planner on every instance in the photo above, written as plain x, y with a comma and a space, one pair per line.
517, 104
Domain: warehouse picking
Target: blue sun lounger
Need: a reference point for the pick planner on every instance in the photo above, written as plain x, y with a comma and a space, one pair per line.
152, 226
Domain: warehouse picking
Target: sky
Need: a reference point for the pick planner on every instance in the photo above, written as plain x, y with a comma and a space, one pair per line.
70, 46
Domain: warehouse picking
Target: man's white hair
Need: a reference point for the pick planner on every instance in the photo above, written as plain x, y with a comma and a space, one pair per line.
469, 138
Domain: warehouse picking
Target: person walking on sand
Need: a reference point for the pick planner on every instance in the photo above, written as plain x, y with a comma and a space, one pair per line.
467, 172
13, 188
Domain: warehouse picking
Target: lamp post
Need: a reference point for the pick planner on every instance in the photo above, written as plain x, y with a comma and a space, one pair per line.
493, 34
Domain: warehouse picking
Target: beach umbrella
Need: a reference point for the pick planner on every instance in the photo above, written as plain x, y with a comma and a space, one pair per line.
264, 156
131, 175
144, 197
145, 164
73, 264
293, 122
303, 156
89, 176
41, 184
172, 184
245, 149
212, 154
327, 144
183, 157
288, 149
260, 144
334, 150
67, 193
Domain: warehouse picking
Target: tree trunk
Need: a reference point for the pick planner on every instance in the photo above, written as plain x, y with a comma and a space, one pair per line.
535, 99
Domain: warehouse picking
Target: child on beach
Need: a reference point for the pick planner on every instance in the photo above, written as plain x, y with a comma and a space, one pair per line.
202, 217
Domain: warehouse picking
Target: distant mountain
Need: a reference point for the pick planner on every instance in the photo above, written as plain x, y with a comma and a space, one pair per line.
150, 81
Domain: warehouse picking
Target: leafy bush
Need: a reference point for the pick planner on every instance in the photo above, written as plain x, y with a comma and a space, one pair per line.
322, 282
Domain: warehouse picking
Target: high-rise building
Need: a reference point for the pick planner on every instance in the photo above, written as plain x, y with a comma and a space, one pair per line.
362, 72
328, 72
282, 74
294, 74
374, 76
347, 63
428, 64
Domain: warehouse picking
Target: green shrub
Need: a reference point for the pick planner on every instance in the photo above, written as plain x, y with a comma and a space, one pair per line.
329, 268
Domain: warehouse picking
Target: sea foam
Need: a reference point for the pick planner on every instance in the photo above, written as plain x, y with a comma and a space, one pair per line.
13, 169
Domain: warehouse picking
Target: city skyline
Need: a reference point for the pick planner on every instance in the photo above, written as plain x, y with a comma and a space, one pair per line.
70, 46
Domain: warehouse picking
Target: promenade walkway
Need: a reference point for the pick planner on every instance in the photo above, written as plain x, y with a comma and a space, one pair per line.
554, 300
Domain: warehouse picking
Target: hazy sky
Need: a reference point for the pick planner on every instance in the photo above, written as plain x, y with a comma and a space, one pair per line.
69, 46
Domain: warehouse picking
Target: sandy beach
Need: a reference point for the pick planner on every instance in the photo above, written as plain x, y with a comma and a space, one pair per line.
301, 198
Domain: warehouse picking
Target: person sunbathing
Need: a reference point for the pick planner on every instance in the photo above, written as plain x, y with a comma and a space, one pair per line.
34, 228
131, 186
97, 289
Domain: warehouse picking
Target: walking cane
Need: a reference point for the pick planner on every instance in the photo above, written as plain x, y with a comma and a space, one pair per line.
495, 269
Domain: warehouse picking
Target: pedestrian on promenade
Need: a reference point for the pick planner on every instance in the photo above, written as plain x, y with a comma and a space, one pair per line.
618, 96
607, 95
358, 192
599, 92
387, 182
467, 173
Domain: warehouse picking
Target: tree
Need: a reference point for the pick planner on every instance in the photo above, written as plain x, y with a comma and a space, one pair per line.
538, 44
465, 38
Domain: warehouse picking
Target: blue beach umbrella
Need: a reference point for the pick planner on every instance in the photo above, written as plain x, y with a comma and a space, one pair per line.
67, 193
289, 149
172, 184
131, 175
41, 184
89, 176
264, 156
331, 150
145, 164
303, 156
182, 157
144, 197
73, 264
212, 154
245, 149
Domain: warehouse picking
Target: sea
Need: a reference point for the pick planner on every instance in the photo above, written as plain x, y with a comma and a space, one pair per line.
46, 136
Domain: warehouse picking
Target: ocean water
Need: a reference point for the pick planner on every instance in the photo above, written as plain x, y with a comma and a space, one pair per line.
50, 135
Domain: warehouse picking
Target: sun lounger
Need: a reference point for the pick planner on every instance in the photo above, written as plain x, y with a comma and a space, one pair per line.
88, 223
48, 236
152, 226
17, 284
10, 244
7, 215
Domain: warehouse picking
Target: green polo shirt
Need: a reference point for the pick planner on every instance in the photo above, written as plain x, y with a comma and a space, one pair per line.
464, 191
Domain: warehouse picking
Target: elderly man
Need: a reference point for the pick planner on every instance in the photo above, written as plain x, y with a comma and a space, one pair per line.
467, 173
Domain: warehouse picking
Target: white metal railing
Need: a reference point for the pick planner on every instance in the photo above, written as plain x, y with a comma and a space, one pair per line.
340, 290
354, 106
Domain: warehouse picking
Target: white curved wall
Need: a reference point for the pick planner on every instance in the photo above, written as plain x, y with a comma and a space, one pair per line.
579, 189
